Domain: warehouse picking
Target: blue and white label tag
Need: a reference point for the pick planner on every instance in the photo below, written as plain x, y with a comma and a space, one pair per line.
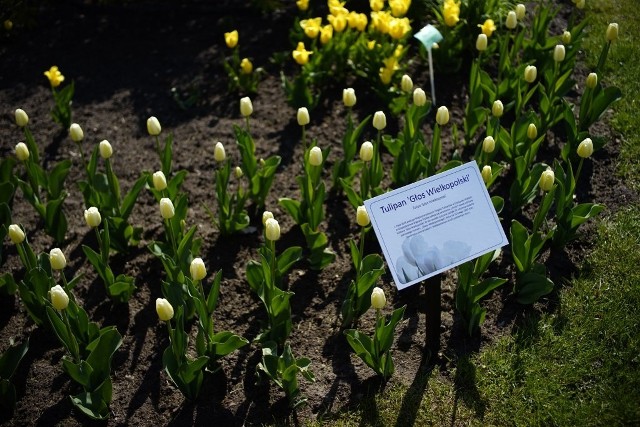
435, 224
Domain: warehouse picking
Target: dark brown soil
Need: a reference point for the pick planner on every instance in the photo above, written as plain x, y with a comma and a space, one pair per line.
126, 61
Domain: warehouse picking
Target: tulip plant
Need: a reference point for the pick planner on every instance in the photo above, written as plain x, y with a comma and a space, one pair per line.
102, 191
7, 192
242, 77
368, 268
90, 350
376, 351
308, 213
9, 361
120, 287
43, 190
471, 289
61, 113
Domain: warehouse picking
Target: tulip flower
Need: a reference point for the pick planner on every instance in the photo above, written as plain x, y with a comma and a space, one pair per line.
349, 97
59, 298
265, 216
592, 80
419, 97
580, 4
362, 216
303, 5
164, 309
497, 109
231, 39
106, 151
486, 173
55, 76
166, 208
612, 32
376, 5
57, 259
246, 107
246, 67
530, 73
406, 84
566, 37
159, 181
547, 179
488, 145
153, 126
218, 152
22, 151
378, 299
8, 24
16, 234
22, 119
272, 229
197, 269
301, 55
451, 12
76, 133
532, 131
315, 156
312, 27
481, 42
303, 116
488, 27
442, 116
379, 120
512, 20
92, 217
326, 34
238, 172
366, 151
558, 53
585, 149
521, 10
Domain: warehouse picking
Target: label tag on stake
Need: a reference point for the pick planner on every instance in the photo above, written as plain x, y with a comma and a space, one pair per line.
435, 224
428, 36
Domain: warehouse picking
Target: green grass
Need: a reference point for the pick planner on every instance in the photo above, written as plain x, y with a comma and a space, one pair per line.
580, 363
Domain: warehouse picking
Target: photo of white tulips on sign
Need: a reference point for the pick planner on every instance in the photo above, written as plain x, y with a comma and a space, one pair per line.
201, 242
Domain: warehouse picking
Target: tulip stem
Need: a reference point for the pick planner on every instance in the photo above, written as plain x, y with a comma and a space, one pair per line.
105, 257
577, 175
73, 344
172, 239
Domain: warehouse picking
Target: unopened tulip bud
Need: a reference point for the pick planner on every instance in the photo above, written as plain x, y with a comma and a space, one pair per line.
59, 298
265, 216
166, 208
497, 109
481, 42
105, 149
566, 37
612, 32
362, 217
231, 39
315, 156
558, 53
57, 259
532, 131
379, 120
592, 80
489, 144
153, 126
246, 107
303, 116
238, 172
406, 84
22, 151
164, 309
419, 97
22, 119
349, 97
580, 4
272, 229
512, 20
521, 10
366, 151
159, 181
218, 152
442, 116
530, 73
76, 132
246, 67
16, 234
585, 149
546, 180
197, 269
92, 217
486, 173
378, 299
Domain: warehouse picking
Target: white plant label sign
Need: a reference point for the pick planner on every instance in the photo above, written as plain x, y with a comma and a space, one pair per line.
435, 224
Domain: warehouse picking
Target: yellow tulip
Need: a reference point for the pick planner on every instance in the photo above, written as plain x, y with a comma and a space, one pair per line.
301, 55
55, 76
231, 39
